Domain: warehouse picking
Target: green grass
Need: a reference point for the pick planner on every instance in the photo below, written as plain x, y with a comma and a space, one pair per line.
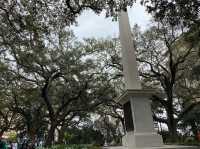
75, 146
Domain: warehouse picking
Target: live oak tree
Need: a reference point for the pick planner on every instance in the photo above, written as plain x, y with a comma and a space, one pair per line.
162, 55
184, 13
50, 73
189, 85
52, 78
176, 13
25, 100
7, 116
20, 16
21, 99
57, 79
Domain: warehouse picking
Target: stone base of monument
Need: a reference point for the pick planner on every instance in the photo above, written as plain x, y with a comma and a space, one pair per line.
139, 140
161, 147
138, 120
140, 133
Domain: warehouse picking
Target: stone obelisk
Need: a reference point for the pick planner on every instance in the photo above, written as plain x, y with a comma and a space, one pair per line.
140, 131
128, 52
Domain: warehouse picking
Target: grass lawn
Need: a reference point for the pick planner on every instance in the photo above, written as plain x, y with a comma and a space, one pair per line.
75, 146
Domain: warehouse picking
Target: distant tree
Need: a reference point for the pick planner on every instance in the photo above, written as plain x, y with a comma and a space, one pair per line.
191, 123
85, 135
80, 121
110, 128
113, 110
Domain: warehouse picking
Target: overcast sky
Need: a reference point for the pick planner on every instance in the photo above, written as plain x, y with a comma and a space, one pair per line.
92, 25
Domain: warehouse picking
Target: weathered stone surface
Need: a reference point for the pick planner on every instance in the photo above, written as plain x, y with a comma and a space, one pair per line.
143, 134
163, 147
128, 53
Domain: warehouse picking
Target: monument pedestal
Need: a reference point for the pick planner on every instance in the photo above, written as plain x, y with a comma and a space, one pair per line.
138, 120
134, 140
163, 147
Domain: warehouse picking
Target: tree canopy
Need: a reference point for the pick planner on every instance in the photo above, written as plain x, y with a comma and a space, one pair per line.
175, 11
51, 82
20, 12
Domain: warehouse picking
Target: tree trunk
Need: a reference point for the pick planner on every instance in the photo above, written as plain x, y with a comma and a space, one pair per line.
172, 126
171, 121
32, 136
50, 136
61, 135
194, 129
172, 130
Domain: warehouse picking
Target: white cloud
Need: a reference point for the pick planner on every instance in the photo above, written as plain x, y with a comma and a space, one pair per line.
93, 25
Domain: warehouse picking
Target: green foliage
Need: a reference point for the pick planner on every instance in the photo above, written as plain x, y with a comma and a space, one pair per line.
55, 79
12, 136
26, 15
84, 135
175, 12
49, 78
68, 137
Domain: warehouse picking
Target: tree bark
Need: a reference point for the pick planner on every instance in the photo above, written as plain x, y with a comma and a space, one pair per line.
172, 124
61, 135
50, 136
32, 135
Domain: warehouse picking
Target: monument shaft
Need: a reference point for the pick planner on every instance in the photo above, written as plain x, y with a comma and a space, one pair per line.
128, 53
